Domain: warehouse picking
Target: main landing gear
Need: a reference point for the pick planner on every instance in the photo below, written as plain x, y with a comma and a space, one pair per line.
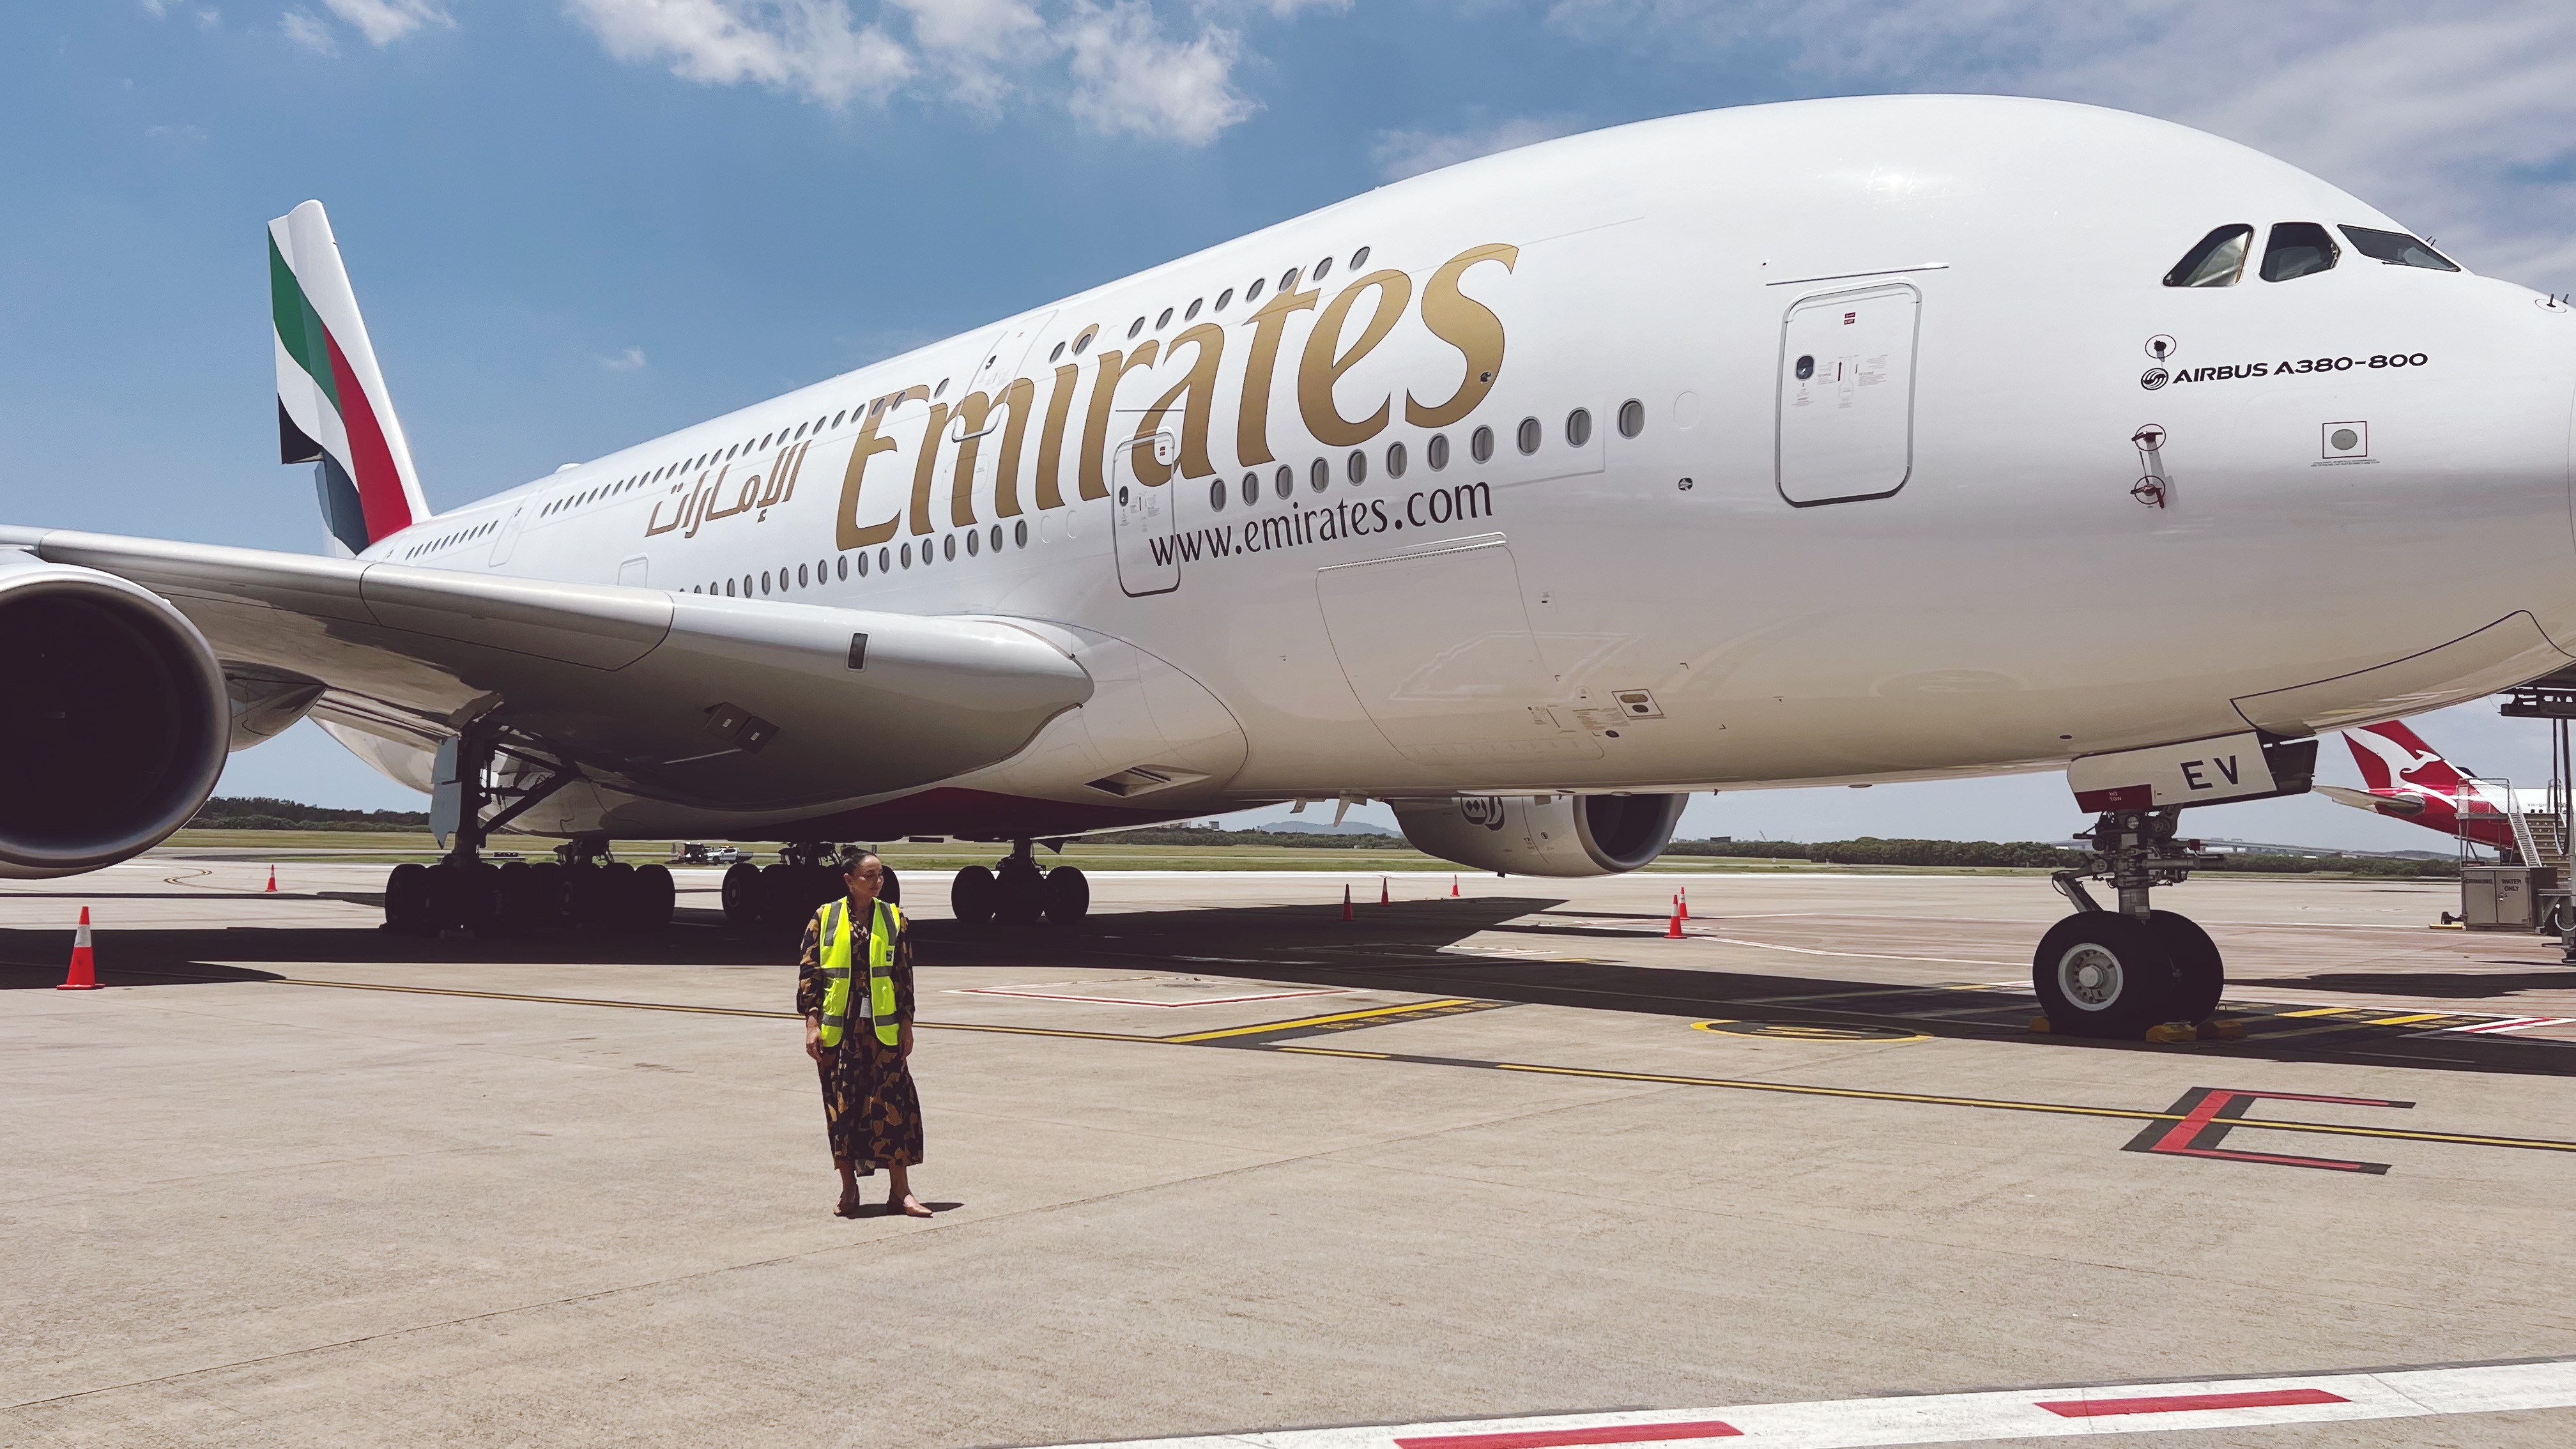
2116, 973
1020, 892
784, 896
466, 895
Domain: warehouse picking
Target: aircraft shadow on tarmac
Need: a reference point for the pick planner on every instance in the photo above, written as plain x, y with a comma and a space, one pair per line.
2437, 985
1402, 947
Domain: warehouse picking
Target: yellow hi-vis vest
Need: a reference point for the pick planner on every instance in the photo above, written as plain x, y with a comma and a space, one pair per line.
879, 1005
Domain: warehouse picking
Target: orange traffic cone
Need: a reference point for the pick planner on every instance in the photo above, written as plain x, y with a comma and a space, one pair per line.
272, 878
1681, 903
1383, 898
84, 972
1673, 932
1346, 900
1453, 887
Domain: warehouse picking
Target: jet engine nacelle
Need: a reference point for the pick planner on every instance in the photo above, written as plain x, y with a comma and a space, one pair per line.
113, 719
1561, 835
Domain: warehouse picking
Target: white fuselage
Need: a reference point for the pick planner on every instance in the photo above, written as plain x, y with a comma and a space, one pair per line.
1978, 281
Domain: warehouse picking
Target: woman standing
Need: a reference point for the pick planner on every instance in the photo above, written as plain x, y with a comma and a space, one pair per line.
854, 989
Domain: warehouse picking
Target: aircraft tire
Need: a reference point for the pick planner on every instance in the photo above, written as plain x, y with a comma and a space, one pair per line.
1068, 897
514, 903
407, 900
973, 896
651, 897
2201, 976
2103, 974
741, 895
546, 893
1020, 893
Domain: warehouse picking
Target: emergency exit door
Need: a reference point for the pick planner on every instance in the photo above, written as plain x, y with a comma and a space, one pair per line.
1846, 413
1140, 518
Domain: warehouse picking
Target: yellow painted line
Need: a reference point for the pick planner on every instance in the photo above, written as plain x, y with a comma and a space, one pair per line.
1333, 1020
2316, 1011
2410, 1020
1329, 1052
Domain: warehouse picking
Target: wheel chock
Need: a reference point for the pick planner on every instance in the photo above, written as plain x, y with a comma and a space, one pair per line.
2041, 1023
2173, 1031
2217, 1030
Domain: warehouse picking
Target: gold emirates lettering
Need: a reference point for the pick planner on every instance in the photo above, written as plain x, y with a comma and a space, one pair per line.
1466, 325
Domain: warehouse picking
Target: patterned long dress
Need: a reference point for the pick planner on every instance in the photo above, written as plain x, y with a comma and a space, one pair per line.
870, 1110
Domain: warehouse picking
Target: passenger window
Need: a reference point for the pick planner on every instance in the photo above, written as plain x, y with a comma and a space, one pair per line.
1359, 259
1284, 482
1059, 352
1252, 293
1288, 280
1082, 343
974, 543
1020, 534
1578, 427
1251, 489
2297, 249
1216, 495
1357, 467
863, 565
1224, 297
1632, 418
1163, 321
1135, 327
1531, 435
2216, 260
1319, 474
1437, 451
885, 561
841, 566
1394, 452
1480, 444
948, 547
997, 538
1193, 312
2397, 249
1323, 269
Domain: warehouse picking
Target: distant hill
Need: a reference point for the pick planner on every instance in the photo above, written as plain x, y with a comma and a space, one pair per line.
262, 812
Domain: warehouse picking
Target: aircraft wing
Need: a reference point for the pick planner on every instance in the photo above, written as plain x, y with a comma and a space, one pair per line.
680, 697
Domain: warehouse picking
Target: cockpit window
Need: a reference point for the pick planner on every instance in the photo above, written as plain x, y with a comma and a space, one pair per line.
2296, 249
2397, 249
2216, 261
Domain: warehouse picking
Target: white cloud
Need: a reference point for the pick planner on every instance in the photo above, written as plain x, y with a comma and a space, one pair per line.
1129, 78
1398, 154
307, 30
630, 359
385, 21
2458, 119
976, 41
1113, 68
812, 48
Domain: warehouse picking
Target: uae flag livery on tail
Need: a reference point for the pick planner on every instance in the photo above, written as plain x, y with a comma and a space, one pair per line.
332, 409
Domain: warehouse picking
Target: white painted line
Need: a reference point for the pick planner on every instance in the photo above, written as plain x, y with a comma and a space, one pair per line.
1954, 1418
2517, 1023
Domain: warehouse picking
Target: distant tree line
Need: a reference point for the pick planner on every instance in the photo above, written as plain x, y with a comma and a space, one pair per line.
262, 812
1203, 835
2034, 854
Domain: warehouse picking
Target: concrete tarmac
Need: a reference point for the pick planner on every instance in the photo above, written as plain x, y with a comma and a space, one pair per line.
1224, 1162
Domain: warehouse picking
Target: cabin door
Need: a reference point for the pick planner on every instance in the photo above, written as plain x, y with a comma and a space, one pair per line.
1141, 518
1846, 391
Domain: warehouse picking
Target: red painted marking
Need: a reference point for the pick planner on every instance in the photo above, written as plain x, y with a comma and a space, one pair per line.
2119, 797
2177, 1140
1550, 1438
2186, 1403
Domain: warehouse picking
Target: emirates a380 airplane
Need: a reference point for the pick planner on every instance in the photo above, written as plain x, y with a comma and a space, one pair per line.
1838, 441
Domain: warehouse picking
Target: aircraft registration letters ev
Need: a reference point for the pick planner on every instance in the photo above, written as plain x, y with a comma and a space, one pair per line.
1838, 441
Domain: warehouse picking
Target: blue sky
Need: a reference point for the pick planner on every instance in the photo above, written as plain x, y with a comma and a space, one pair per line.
577, 223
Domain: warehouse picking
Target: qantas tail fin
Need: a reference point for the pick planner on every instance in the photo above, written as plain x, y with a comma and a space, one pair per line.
332, 407
2392, 756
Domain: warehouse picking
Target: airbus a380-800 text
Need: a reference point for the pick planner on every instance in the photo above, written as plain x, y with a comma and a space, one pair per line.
1830, 442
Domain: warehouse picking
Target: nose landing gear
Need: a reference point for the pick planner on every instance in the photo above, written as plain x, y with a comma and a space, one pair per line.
2115, 973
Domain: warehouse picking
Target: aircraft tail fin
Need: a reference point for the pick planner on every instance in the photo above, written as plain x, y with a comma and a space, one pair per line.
2392, 756
332, 407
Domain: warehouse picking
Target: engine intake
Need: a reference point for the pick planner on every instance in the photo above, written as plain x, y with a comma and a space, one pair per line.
113, 720
1558, 835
